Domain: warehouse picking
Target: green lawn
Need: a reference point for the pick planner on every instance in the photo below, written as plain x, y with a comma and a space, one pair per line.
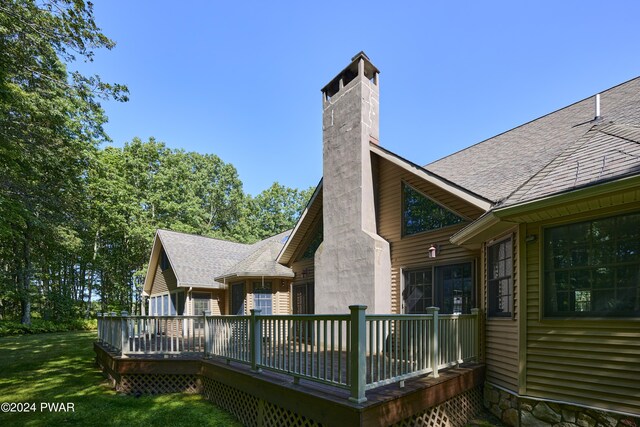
58, 369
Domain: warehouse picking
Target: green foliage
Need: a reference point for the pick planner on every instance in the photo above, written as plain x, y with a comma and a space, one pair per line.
50, 125
60, 368
77, 220
39, 326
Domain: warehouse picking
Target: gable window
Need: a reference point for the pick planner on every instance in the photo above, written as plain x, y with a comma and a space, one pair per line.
164, 261
262, 297
500, 278
420, 213
449, 287
592, 268
314, 244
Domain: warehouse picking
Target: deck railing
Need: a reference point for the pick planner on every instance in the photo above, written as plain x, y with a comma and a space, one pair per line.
355, 351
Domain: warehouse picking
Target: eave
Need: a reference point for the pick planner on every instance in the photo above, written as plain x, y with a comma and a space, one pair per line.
501, 219
432, 178
296, 236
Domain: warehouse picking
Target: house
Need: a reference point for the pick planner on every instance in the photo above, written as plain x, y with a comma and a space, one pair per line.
189, 275
539, 227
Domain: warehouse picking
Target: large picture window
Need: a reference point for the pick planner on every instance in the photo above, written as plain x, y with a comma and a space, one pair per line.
449, 287
500, 278
420, 213
592, 268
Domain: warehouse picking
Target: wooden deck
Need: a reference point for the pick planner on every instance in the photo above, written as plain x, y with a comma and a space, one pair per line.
323, 404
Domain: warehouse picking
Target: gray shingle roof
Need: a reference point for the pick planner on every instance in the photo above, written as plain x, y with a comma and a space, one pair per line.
261, 262
607, 151
497, 167
198, 260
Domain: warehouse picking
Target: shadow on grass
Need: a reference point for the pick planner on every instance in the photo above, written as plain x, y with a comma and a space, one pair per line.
59, 368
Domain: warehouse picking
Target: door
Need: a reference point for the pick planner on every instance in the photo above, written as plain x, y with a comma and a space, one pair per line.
303, 298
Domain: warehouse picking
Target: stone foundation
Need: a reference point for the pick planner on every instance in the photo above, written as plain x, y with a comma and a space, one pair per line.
516, 411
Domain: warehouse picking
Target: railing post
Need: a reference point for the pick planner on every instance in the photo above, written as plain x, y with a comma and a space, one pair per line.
99, 320
358, 356
255, 340
207, 340
433, 340
113, 327
476, 333
124, 343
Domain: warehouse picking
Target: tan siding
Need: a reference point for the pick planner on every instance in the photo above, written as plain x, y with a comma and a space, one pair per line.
411, 251
217, 303
501, 334
282, 298
588, 361
304, 271
163, 281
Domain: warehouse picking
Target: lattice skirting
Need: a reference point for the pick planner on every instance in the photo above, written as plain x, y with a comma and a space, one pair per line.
158, 383
250, 410
455, 412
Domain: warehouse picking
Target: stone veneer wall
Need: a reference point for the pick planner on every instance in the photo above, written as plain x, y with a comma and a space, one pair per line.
516, 411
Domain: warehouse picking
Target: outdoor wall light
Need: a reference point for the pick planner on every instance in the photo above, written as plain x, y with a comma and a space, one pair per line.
433, 250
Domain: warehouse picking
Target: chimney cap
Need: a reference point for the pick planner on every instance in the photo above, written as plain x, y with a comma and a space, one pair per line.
351, 70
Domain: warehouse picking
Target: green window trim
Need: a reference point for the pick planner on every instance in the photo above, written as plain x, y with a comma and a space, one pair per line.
420, 213
500, 278
591, 268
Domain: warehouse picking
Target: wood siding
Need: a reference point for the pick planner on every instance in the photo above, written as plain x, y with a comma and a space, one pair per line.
163, 281
501, 334
280, 298
594, 362
411, 251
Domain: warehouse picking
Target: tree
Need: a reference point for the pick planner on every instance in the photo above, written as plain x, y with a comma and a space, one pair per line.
50, 124
274, 210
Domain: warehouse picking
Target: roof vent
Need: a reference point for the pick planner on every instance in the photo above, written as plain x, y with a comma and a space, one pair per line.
597, 117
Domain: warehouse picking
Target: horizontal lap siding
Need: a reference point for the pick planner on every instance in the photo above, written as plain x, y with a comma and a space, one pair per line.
411, 251
163, 281
586, 361
501, 334
501, 341
282, 298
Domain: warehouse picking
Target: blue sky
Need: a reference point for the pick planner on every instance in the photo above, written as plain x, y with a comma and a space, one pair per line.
242, 79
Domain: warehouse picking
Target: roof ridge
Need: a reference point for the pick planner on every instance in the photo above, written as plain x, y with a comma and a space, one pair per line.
533, 120
202, 236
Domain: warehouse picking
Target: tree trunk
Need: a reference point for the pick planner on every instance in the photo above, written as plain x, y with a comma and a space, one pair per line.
25, 297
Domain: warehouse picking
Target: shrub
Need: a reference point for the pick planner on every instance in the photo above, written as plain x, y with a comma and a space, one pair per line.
39, 326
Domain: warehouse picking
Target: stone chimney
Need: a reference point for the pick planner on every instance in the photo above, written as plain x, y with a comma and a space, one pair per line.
353, 264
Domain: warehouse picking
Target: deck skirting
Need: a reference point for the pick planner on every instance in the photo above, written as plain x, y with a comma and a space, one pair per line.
269, 399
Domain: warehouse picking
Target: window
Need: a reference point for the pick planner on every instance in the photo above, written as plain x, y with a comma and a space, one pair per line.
314, 244
420, 213
200, 303
165, 305
262, 297
592, 268
173, 304
450, 287
164, 261
418, 291
152, 306
237, 299
500, 278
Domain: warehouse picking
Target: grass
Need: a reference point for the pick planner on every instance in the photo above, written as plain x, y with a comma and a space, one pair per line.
59, 368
